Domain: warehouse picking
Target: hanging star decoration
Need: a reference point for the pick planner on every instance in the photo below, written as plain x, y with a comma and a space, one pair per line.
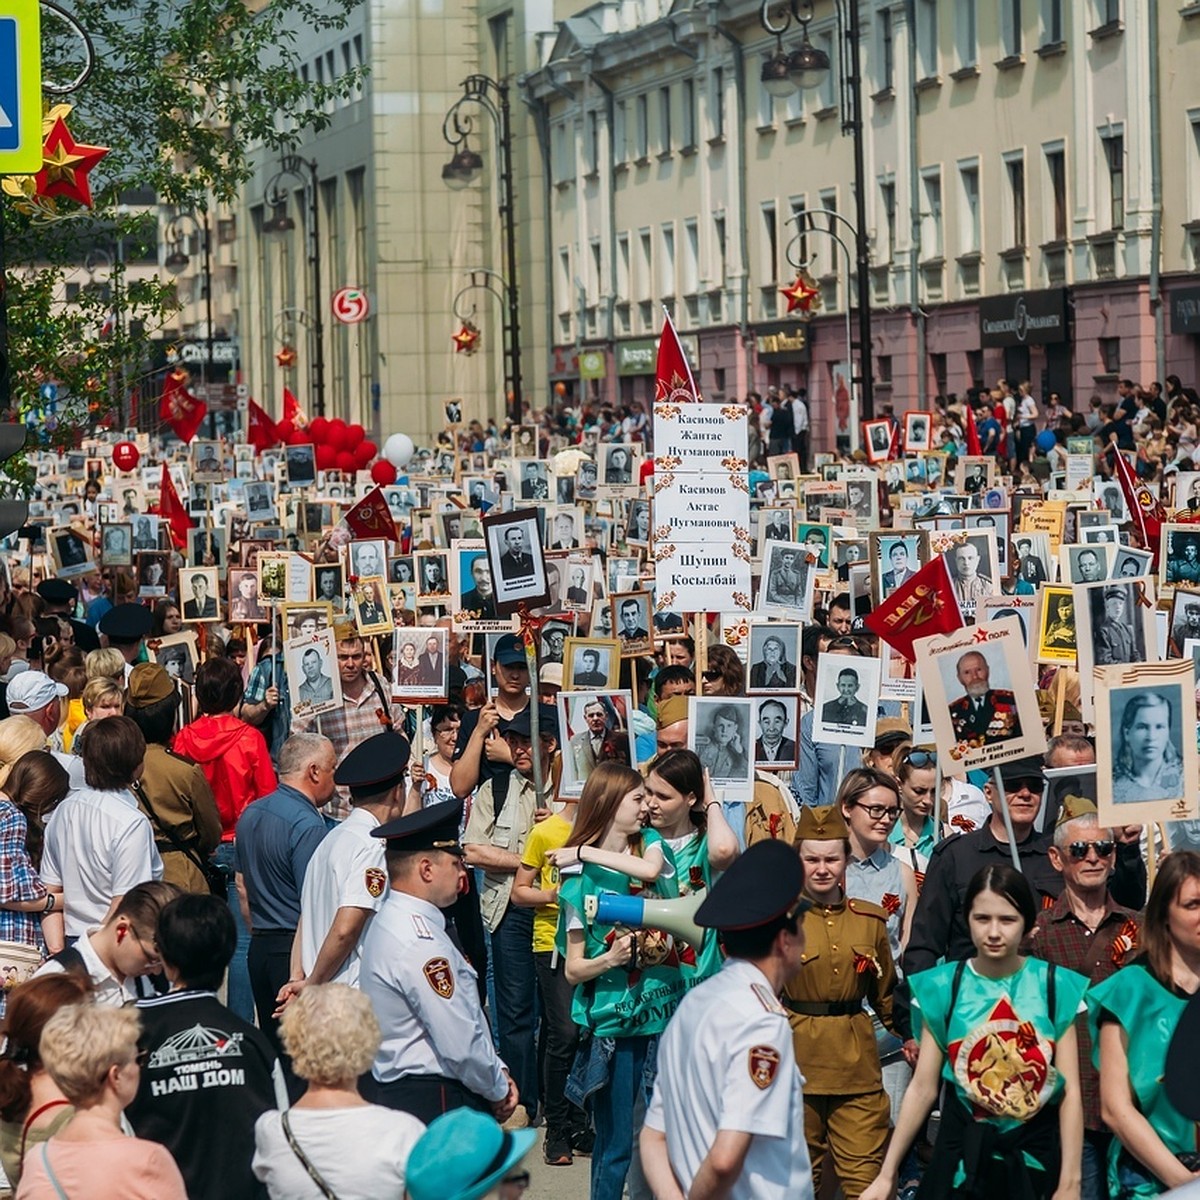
466, 340
65, 167
803, 295
285, 356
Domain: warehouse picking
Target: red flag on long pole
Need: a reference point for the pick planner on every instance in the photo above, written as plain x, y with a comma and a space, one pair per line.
1145, 509
172, 508
179, 408
261, 434
925, 605
673, 381
973, 446
371, 517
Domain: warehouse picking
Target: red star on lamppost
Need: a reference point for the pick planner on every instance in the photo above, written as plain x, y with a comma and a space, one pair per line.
466, 339
285, 356
65, 165
803, 294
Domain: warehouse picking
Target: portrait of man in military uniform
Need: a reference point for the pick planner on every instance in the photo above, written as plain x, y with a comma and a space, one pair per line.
983, 714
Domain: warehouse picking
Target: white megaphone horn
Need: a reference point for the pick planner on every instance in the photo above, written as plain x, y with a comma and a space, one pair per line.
640, 912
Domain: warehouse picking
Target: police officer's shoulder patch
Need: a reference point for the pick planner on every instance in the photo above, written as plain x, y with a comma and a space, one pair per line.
375, 881
440, 977
763, 1065
864, 908
768, 999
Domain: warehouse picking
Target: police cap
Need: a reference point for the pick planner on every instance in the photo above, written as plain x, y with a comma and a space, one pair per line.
761, 886
374, 766
433, 828
57, 591
126, 623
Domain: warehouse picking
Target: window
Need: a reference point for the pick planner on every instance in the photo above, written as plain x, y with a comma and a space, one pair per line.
688, 128
623, 266
597, 280
664, 120
690, 278
887, 198
642, 132
766, 108
719, 239
666, 263
966, 40
1014, 168
645, 263
927, 38
1114, 155
799, 207
827, 90
887, 51
828, 200
1192, 211
593, 142
559, 154
1011, 39
562, 280
931, 214
717, 102
970, 226
1110, 355
1056, 177
498, 28
1109, 11
770, 243
620, 133
1052, 22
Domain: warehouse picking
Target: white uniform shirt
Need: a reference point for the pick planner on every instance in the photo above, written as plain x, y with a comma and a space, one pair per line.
98, 845
105, 988
726, 1062
346, 871
426, 999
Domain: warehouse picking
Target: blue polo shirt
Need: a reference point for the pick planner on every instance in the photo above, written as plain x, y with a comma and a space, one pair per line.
276, 837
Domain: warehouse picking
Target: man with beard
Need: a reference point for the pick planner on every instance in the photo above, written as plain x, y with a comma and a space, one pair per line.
481, 598
985, 714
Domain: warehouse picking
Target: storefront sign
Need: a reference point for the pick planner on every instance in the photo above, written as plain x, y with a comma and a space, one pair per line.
1024, 318
1185, 310
593, 364
641, 356
786, 342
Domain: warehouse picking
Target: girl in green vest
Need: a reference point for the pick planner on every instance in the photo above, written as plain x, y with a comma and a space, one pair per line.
1136, 1012
626, 984
998, 1031
686, 814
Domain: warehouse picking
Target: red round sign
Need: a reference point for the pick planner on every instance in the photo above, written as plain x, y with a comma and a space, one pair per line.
350, 305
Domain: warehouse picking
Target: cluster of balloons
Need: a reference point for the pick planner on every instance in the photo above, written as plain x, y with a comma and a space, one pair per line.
339, 446
397, 453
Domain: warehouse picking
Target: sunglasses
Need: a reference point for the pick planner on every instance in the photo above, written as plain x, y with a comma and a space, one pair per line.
1079, 850
919, 758
710, 676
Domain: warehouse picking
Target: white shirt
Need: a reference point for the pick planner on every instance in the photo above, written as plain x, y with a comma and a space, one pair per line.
346, 871
98, 845
726, 1062
361, 1153
105, 988
426, 999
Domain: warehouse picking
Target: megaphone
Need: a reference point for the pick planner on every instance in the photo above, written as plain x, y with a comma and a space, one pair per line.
641, 912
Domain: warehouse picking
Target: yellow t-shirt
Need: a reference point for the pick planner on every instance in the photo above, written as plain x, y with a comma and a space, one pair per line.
547, 835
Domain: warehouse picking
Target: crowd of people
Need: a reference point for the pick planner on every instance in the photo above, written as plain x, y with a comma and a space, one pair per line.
346, 889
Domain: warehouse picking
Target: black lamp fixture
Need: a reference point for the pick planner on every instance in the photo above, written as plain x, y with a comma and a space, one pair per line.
463, 169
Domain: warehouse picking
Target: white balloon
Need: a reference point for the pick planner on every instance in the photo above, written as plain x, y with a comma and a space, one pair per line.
399, 449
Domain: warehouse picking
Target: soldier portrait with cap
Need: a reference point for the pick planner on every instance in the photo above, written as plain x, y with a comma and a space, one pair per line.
437, 1052
728, 1105
846, 966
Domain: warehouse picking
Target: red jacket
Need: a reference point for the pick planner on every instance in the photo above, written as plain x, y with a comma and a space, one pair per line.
235, 761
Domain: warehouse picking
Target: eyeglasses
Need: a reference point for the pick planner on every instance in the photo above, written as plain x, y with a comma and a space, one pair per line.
878, 812
919, 758
1079, 850
142, 1056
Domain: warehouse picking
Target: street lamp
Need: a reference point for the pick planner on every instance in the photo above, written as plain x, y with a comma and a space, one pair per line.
177, 260
461, 171
295, 167
806, 67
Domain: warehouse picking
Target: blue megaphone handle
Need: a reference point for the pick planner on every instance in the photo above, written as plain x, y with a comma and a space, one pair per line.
614, 909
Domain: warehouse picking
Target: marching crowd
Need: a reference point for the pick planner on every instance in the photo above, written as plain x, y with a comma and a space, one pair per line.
252, 952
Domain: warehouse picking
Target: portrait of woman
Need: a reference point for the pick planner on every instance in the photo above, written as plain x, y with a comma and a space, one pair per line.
1147, 764
725, 753
407, 666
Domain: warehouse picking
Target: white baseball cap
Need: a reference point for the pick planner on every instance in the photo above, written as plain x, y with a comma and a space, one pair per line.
31, 691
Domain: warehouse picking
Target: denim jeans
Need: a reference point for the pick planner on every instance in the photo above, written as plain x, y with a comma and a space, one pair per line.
613, 1109
516, 1000
1094, 1183
561, 1037
240, 998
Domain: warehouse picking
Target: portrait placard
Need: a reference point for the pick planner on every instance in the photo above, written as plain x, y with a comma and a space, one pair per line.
595, 728
1179, 560
153, 573
177, 655
1056, 628
719, 731
199, 590
846, 704
71, 553
918, 431
116, 545
591, 664
473, 596
515, 555
1185, 621
786, 586
877, 439
421, 669
630, 614
328, 585
774, 657
1114, 624
371, 606
303, 620
777, 726
314, 682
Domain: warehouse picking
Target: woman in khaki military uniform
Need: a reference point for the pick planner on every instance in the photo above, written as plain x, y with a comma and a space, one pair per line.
846, 961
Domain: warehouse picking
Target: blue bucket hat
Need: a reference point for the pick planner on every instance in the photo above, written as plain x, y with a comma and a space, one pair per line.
462, 1155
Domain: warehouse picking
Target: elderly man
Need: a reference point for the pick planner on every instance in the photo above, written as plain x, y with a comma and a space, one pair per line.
1087, 932
587, 745
985, 713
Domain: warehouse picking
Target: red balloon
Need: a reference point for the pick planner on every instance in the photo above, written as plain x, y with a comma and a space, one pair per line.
336, 434
284, 430
362, 453
318, 429
383, 473
345, 462
354, 435
125, 456
298, 437
326, 457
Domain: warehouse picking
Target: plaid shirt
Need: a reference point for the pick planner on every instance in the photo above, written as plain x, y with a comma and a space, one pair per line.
1059, 936
18, 881
277, 725
357, 720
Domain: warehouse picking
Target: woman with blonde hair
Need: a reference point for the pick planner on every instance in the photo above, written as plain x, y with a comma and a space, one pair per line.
331, 1034
18, 735
105, 663
92, 1055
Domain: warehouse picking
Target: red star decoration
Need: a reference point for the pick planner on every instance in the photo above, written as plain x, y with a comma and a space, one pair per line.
286, 356
65, 165
464, 340
802, 295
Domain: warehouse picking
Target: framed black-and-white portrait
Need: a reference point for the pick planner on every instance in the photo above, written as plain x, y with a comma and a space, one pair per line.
552, 638
208, 464
632, 620
329, 586
245, 607
153, 574
70, 553
774, 525
974, 573
371, 606
199, 594
578, 586
301, 465
1179, 559
260, 501
877, 439
721, 732
1085, 564
273, 577
591, 664
533, 479
638, 529
145, 533
303, 620
177, 655
975, 474
454, 412
996, 524
846, 705
776, 733
564, 529
774, 657
311, 666
1032, 561
1114, 626
817, 540
1101, 535
595, 728
1131, 563
116, 545
206, 547
918, 431
367, 557
525, 441
400, 569
587, 479
619, 466
433, 574
895, 558
1107, 493
1184, 625
421, 668
518, 565
601, 625
786, 586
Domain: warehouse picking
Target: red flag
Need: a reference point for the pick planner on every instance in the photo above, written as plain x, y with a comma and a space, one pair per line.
371, 517
292, 410
179, 408
172, 508
673, 381
261, 434
973, 446
925, 605
1145, 509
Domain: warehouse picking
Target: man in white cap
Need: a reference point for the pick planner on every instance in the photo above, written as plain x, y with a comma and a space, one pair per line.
35, 695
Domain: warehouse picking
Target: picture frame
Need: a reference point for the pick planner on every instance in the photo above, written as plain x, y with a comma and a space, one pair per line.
1032, 561
894, 558
877, 439
433, 574
177, 654
564, 528
300, 465
245, 607
371, 606
918, 431
145, 534
259, 499
206, 547
846, 704
632, 620
773, 657
1109, 633
153, 573
70, 552
1056, 643
473, 600
199, 595
421, 665
596, 727
329, 585
775, 524
116, 544
1081, 563
1131, 563
518, 564
620, 467
532, 479
783, 466
579, 583
777, 733
313, 679
366, 557
975, 474
208, 463
591, 664
1184, 622
719, 733
272, 570
1179, 556
787, 581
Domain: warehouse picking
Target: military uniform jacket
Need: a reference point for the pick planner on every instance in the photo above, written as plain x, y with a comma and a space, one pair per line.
846, 960
175, 795
425, 996
993, 719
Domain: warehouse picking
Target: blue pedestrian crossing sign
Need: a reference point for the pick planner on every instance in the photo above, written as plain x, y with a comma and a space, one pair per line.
20, 88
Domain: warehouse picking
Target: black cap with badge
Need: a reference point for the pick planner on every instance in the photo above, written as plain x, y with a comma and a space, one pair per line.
374, 766
57, 591
433, 828
125, 624
761, 886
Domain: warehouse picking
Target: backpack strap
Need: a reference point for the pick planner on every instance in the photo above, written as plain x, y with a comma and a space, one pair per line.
305, 1162
70, 959
50, 1175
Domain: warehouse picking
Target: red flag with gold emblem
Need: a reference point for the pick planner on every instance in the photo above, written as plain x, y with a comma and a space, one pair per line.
261, 434
371, 517
292, 410
173, 510
924, 606
1145, 509
673, 382
179, 408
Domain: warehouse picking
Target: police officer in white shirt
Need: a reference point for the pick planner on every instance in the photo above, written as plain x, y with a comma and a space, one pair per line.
346, 881
437, 1052
727, 1116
